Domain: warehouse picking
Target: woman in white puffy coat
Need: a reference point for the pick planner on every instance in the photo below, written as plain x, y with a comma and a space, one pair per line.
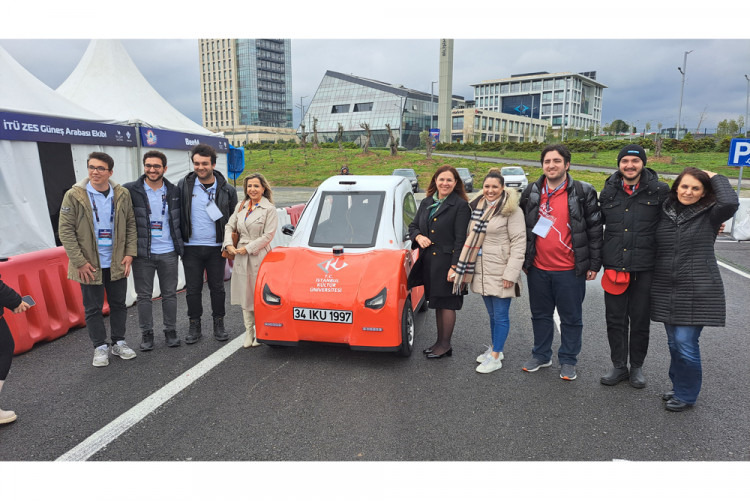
497, 272
255, 220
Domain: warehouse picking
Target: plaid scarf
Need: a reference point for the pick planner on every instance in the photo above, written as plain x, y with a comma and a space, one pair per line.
478, 229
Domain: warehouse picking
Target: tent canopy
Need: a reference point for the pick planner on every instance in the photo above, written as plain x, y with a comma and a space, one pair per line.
108, 81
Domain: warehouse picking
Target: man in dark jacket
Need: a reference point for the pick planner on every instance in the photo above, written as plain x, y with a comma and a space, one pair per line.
207, 203
563, 250
156, 205
631, 203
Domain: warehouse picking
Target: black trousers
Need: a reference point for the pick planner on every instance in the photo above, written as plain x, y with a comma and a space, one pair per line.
7, 345
629, 309
93, 303
197, 260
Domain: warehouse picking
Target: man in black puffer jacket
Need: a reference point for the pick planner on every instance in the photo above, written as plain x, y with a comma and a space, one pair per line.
563, 251
631, 203
207, 203
157, 206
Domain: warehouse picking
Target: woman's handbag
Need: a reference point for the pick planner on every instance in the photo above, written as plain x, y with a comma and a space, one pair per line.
235, 241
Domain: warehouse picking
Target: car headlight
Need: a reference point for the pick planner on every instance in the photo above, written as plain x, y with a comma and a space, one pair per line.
269, 297
378, 301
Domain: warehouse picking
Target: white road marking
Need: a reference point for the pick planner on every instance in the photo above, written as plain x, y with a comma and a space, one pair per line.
125, 421
732, 268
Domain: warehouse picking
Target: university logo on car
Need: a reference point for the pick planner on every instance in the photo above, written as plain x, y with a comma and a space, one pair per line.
334, 264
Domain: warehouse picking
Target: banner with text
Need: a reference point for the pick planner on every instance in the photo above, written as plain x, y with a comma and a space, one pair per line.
171, 140
46, 129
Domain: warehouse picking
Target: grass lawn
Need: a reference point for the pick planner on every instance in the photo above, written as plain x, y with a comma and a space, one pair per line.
309, 167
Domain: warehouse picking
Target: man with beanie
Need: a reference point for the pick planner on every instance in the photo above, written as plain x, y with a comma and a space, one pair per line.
631, 203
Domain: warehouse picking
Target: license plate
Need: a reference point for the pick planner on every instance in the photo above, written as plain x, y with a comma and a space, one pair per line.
513, 184
318, 315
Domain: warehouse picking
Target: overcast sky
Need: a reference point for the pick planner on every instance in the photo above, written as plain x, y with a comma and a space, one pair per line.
641, 75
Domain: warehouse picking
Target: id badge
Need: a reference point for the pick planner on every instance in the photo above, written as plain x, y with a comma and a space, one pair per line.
213, 211
156, 229
105, 237
542, 227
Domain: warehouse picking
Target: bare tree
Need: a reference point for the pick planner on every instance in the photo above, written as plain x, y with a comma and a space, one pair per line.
315, 134
366, 146
392, 141
701, 118
426, 138
340, 136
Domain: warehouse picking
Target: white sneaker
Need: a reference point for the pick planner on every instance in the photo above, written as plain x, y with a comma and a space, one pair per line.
101, 356
7, 416
490, 364
481, 358
122, 350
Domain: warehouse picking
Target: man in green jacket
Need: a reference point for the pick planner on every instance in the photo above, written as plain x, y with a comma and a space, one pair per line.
97, 229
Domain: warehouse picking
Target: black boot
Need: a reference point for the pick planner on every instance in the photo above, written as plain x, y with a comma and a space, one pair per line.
147, 341
194, 332
614, 376
172, 339
219, 333
637, 379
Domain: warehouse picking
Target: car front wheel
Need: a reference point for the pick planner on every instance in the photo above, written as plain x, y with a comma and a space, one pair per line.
407, 330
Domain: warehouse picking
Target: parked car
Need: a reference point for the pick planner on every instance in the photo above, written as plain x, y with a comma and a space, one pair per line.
515, 177
410, 175
342, 279
467, 178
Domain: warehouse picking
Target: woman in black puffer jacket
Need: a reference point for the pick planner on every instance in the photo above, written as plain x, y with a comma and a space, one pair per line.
687, 292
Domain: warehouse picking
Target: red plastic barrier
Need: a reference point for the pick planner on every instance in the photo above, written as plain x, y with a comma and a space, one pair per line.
43, 275
295, 211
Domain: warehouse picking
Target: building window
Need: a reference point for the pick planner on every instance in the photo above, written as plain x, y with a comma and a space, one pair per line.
362, 107
340, 108
458, 123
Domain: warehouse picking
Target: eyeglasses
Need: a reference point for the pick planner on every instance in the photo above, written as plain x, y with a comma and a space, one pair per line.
153, 166
98, 169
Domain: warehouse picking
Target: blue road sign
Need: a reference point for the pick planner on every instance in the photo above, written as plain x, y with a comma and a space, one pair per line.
739, 152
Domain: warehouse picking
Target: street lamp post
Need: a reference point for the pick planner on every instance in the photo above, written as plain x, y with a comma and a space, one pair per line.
682, 88
747, 104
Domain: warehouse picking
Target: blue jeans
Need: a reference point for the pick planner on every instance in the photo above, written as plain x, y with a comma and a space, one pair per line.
165, 266
498, 308
685, 365
564, 290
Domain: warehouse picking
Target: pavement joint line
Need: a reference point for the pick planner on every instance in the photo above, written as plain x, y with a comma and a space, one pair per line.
133, 416
732, 268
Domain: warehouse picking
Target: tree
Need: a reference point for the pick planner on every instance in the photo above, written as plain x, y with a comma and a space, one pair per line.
340, 135
647, 127
619, 126
392, 141
425, 138
727, 128
315, 133
303, 137
701, 118
366, 146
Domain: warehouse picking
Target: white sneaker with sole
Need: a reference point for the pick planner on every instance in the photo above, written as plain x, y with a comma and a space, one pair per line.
122, 350
481, 358
490, 364
101, 356
7, 417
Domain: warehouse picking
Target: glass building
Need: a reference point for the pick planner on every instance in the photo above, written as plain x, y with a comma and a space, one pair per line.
354, 101
246, 82
567, 100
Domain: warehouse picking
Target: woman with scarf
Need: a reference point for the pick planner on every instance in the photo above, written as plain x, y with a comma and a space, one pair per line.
492, 259
439, 230
687, 292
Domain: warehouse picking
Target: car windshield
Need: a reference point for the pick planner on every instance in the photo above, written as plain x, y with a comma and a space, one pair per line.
347, 218
404, 172
512, 171
463, 172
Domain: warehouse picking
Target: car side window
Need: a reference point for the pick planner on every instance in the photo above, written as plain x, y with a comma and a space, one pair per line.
410, 210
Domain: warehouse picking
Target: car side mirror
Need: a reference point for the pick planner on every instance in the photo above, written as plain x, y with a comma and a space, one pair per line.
287, 229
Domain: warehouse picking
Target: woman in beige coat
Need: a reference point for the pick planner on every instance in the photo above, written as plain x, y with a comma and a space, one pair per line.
255, 220
497, 270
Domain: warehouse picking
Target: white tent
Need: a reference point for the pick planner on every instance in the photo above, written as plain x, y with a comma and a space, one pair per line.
34, 121
107, 80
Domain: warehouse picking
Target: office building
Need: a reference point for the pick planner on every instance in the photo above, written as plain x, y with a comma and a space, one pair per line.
479, 126
245, 84
570, 101
353, 101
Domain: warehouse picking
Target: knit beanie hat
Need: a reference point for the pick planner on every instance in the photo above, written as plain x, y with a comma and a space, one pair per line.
632, 149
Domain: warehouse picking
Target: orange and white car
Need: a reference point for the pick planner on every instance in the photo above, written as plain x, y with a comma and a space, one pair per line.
342, 279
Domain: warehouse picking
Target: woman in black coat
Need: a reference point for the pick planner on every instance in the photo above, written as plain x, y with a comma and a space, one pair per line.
11, 300
687, 292
439, 230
